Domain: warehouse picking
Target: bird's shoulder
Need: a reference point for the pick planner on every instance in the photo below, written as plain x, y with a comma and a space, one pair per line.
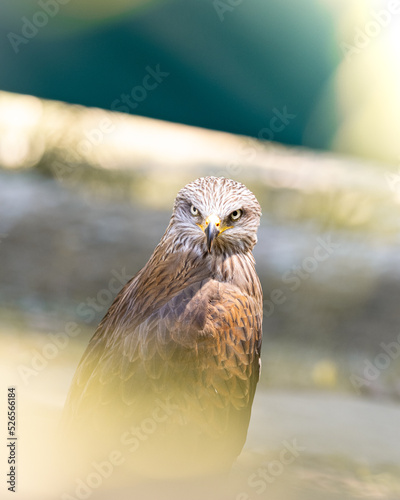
202, 310
204, 319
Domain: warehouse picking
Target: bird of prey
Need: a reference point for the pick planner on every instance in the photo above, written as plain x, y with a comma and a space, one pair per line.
169, 376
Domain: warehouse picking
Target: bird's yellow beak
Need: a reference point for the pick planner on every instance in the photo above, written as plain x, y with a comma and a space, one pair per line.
212, 229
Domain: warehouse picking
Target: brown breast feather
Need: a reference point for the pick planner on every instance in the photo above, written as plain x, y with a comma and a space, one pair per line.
181, 331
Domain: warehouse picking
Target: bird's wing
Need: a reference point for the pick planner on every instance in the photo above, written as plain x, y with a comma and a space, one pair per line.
200, 350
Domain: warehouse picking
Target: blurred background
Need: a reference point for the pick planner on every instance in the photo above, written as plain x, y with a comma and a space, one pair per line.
108, 108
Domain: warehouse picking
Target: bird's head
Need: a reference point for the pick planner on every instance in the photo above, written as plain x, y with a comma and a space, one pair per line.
215, 215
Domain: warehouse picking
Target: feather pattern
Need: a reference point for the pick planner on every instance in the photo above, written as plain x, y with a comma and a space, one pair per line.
187, 329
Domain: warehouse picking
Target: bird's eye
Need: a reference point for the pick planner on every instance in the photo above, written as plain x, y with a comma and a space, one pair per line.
194, 210
236, 214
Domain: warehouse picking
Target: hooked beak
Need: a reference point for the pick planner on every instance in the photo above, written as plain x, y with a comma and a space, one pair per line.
212, 229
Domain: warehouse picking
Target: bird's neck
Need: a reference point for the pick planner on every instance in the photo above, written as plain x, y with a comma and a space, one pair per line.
165, 275
237, 269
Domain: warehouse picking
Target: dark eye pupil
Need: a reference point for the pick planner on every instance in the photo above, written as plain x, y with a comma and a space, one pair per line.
236, 214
